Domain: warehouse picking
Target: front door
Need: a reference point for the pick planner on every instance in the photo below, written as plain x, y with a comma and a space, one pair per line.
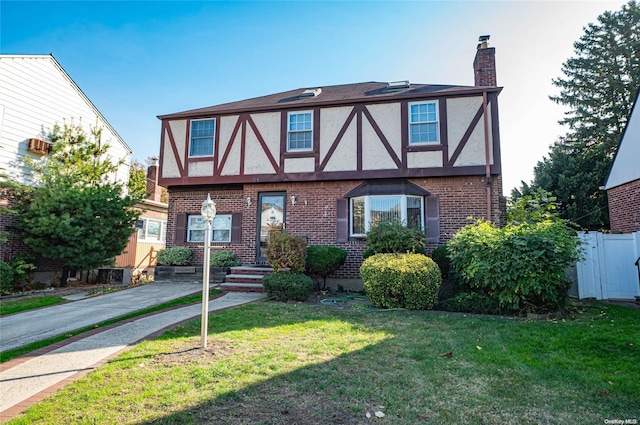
271, 217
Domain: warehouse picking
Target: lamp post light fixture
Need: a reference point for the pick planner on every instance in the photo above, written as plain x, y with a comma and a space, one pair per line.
208, 212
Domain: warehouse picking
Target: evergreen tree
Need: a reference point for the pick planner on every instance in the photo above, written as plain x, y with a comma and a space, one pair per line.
137, 180
77, 215
599, 86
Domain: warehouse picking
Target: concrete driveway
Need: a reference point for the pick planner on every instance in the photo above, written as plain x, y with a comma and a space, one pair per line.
24, 328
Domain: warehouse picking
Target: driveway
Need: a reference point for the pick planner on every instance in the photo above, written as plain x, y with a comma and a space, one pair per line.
24, 328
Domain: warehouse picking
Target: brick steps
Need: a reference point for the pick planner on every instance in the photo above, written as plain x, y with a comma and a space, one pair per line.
245, 279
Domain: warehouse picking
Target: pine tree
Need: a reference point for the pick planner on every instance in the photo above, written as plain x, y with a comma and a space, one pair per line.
78, 214
599, 86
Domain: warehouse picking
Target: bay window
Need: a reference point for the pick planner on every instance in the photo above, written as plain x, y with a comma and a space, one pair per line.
368, 210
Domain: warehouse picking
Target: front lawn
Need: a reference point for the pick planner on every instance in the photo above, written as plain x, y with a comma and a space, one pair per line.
273, 363
18, 305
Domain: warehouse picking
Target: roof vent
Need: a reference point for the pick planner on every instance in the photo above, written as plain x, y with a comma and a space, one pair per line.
311, 92
398, 85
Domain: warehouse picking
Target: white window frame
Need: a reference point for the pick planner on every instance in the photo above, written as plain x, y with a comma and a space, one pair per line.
143, 234
192, 138
367, 211
196, 219
436, 122
290, 132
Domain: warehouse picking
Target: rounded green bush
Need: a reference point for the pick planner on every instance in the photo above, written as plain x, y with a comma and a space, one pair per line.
223, 259
174, 256
286, 286
408, 281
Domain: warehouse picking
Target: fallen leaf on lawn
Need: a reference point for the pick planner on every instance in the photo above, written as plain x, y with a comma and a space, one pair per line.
379, 415
630, 344
504, 350
368, 415
447, 354
603, 394
478, 347
610, 383
141, 365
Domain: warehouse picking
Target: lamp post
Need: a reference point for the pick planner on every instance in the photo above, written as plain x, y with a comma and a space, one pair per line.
208, 212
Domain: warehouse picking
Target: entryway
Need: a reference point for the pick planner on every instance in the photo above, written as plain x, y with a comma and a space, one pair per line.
271, 217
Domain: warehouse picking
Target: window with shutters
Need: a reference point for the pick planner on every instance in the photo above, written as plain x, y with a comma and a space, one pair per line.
368, 210
220, 228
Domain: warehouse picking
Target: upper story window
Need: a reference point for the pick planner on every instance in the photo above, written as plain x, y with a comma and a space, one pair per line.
152, 230
300, 131
367, 210
202, 135
423, 122
220, 228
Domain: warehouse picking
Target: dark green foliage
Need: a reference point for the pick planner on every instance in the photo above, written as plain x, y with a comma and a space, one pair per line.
224, 259
390, 237
472, 302
522, 265
77, 216
599, 86
286, 252
408, 281
324, 260
286, 286
175, 256
441, 257
6, 277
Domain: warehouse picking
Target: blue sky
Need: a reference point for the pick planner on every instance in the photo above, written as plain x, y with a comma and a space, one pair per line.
137, 60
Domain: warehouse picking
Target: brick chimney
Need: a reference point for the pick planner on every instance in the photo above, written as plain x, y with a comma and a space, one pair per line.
153, 189
484, 65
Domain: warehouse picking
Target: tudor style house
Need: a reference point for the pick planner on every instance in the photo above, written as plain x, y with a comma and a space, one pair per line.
325, 162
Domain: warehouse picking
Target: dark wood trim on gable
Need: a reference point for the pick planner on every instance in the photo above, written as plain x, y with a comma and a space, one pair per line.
172, 142
495, 132
284, 118
265, 148
216, 147
404, 130
465, 138
359, 109
243, 141
234, 134
382, 137
444, 129
337, 140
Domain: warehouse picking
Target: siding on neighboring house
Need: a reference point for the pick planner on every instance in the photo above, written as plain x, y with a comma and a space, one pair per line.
35, 94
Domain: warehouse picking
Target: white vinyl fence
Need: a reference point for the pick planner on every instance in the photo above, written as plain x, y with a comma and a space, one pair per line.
608, 269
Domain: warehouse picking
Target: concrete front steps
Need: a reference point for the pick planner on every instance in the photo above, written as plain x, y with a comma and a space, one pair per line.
245, 279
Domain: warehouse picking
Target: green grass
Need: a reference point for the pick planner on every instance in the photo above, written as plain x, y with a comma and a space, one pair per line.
16, 352
10, 306
273, 363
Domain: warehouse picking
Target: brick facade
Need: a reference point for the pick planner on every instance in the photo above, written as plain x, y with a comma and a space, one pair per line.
624, 207
314, 214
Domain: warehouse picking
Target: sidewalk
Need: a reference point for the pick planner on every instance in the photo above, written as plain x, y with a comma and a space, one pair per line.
27, 380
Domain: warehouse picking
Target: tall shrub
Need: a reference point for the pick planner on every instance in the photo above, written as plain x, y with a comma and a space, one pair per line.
175, 256
522, 265
286, 252
323, 261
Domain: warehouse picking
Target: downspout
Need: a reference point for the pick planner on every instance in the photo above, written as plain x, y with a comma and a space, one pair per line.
487, 166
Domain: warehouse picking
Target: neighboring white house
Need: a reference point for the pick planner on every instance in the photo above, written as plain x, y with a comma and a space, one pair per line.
623, 182
35, 94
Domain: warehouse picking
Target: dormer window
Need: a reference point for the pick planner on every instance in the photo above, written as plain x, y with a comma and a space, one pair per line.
300, 131
423, 123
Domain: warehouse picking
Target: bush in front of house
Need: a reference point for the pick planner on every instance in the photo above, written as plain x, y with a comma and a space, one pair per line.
323, 261
441, 257
286, 286
286, 252
6, 277
175, 256
472, 302
522, 264
223, 259
408, 281
390, 237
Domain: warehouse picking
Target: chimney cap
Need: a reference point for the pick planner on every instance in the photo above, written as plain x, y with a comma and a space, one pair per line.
484, 41
153, 161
